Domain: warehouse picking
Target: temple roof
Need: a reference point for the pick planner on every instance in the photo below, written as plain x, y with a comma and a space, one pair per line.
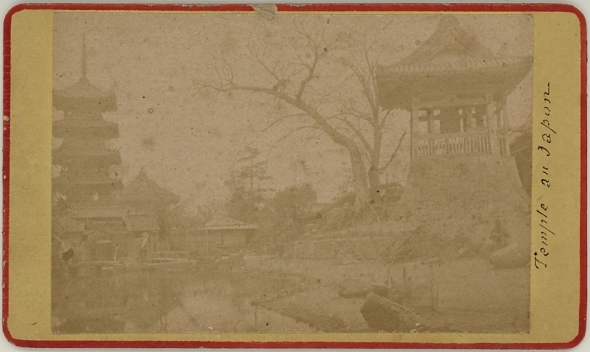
452, 49
228, 224
143, 190
450, 61
141, 223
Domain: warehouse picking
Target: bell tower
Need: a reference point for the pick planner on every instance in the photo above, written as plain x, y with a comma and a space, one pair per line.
463, 181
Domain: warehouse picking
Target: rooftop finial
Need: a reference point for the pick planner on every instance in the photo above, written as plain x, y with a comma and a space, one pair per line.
84, 56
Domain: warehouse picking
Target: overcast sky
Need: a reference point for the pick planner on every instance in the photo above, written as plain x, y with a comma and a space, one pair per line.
187, 139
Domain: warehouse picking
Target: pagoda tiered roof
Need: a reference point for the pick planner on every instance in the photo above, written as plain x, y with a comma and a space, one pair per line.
71, 179
83, 95
449, 62
85, 128
86, 152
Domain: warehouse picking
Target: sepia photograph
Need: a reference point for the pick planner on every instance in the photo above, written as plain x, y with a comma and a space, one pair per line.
291, 173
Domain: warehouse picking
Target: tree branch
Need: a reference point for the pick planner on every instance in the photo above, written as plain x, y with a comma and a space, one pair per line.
399, 143
356, 131
301, 128
384, 119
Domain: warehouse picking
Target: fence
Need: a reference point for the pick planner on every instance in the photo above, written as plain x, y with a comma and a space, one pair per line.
460, 143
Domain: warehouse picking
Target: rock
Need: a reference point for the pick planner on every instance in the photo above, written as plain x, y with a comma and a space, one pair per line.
512, 256
488, 248
465, 252
354, 288
395, 293
351, 288
382, 314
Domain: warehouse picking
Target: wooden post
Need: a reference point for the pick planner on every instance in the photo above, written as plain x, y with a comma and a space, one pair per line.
433, 296
207, 240
389, 283
414, 128
430, 118
505, 127
404, 275
469, 115
256, 318
492, 124
404, 286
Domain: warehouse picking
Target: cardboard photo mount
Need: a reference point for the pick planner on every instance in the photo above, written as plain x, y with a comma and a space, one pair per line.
558, 294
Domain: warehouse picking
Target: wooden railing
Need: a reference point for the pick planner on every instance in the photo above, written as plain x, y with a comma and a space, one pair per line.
460, 143
503, 146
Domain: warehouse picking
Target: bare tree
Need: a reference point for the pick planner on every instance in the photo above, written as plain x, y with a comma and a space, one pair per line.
331, 86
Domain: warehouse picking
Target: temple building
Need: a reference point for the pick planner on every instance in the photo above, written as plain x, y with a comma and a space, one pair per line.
226, 232
144, 194
463, 180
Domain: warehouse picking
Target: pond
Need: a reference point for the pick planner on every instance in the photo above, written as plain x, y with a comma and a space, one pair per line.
95, 300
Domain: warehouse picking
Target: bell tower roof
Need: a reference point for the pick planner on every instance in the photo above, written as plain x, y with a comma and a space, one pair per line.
453, 62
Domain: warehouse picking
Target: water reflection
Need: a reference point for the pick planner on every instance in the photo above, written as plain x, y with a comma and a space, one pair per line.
153, 300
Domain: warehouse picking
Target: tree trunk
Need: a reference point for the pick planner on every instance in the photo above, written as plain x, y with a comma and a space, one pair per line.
374, 168
359, 179
374, 175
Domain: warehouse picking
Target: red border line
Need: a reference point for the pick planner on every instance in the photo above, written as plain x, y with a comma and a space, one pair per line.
582, 325
298, 8
6, 173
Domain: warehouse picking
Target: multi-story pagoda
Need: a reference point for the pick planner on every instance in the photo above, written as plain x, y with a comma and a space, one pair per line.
463, 183
85, 192
84, 156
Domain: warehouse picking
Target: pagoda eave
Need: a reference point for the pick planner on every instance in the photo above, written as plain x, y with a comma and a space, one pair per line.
100, 103
93, 160
111, 184
86, 133
85, 130
90, 179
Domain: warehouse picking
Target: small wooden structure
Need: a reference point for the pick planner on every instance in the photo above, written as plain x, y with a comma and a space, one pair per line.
226, 232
